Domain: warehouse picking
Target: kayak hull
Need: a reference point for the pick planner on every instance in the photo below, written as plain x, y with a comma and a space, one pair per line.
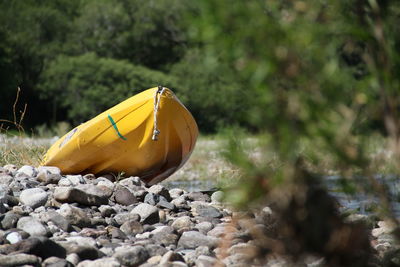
121, 139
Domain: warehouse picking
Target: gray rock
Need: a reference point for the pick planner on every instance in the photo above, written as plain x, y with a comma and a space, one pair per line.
11, 168
198, 196
124, 197
182, 222
32, 226
29, 171
206, 261
171, 256
160, 190
217, 197
120, 218
92, 196
132, 227
206, 211
41, 246
73, 258
6, 179
133, 256
84, 252
56, 262
49, 169
48, 178
33, 197
10, 220
148, 213
151, 199
106, 210
204, 227
82, 240
175, 192
164, 235
59, 220
18, 260
193, 239
163, 203
74, 215
154, 250
222, 230
131, 182
103, 262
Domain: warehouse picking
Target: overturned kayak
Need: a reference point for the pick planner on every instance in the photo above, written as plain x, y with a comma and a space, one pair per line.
149, 135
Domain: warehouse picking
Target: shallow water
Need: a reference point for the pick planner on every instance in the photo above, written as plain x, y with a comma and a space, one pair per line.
361, 203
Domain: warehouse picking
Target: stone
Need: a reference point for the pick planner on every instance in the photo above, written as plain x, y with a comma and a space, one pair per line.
74, 215
244, 248
56, 262
132, 256
116, 233
217, 197
14, 237
163, 203
148, 213
206, 261
198, 196
105, 182
171, 256
33, 197
132, 227
106, 210
222, 230
182, 222
206, 211
29, 171
10, 220
82, 240
11, 168
131, 182
32, 226
160, 190
49, 169
124, 197
151, 199
103, 262
164, 235
175, 192
193, 239
70, 195
123, 217
73, 258
18, 260
154, 259
154, 249
84, 252
48, 178
204, 227
6, 179
59, 220
42, 247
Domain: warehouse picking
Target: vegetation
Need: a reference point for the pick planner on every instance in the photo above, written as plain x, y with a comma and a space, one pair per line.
316, 80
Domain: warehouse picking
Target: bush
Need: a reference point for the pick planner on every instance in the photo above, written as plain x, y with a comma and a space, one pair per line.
87, 85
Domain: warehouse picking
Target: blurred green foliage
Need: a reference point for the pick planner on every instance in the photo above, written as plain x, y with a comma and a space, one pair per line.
318, 72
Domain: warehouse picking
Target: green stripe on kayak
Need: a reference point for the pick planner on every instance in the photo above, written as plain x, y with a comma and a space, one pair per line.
115, 128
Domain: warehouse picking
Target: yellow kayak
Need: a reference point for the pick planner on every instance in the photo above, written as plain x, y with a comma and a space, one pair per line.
149, 135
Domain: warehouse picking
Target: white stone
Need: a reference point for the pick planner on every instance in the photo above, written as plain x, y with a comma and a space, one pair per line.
33, 197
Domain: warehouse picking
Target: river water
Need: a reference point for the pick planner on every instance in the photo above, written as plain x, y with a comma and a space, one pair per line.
358, 202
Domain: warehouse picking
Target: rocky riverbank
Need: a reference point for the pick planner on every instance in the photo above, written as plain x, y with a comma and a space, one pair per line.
48, 219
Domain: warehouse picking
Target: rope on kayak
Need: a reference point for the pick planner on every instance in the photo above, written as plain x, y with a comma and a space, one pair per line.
157, 98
